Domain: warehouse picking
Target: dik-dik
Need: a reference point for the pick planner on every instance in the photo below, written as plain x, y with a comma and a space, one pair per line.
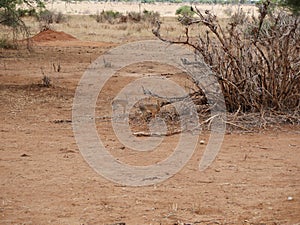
149, 108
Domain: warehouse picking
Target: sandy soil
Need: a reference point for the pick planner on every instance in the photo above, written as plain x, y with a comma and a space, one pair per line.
45, 180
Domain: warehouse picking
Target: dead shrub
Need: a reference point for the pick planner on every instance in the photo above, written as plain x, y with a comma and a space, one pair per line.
47, 17
146, 16
59, 17
108, 16
255, 59
46, 81
114, 17
150, 16
134, 16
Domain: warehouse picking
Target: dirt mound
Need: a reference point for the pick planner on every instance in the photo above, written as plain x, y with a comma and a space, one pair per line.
51, 35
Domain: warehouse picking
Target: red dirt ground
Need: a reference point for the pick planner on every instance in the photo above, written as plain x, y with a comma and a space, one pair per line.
51, 35
255, 178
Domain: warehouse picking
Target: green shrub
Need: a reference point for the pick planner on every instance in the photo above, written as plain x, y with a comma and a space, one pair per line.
176, 1
7, 44
185, 10
32, 12
22, 12
11, 12
293, 5
148, 1
185, 13
27, 12
9, 18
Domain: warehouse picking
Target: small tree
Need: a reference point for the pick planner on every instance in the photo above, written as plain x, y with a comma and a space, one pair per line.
293, 5
11, 13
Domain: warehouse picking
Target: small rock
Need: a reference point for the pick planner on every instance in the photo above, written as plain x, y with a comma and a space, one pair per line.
290, 198
202, 142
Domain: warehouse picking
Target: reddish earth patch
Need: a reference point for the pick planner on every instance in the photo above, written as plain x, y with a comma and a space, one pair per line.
45, 180
51, 35
61, 39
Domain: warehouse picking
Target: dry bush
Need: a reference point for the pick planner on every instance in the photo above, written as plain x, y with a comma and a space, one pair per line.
113, 17
134, 16
46, 81
59, 17
48, 17
108, 16
255, 59
150, 16
146, 16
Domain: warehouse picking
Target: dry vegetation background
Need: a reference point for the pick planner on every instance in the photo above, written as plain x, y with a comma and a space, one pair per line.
164, 9
80, 20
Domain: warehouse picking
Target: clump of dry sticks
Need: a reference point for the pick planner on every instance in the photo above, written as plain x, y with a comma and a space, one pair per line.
255, 59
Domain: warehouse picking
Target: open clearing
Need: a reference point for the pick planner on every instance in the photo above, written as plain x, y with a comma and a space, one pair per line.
255, 178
